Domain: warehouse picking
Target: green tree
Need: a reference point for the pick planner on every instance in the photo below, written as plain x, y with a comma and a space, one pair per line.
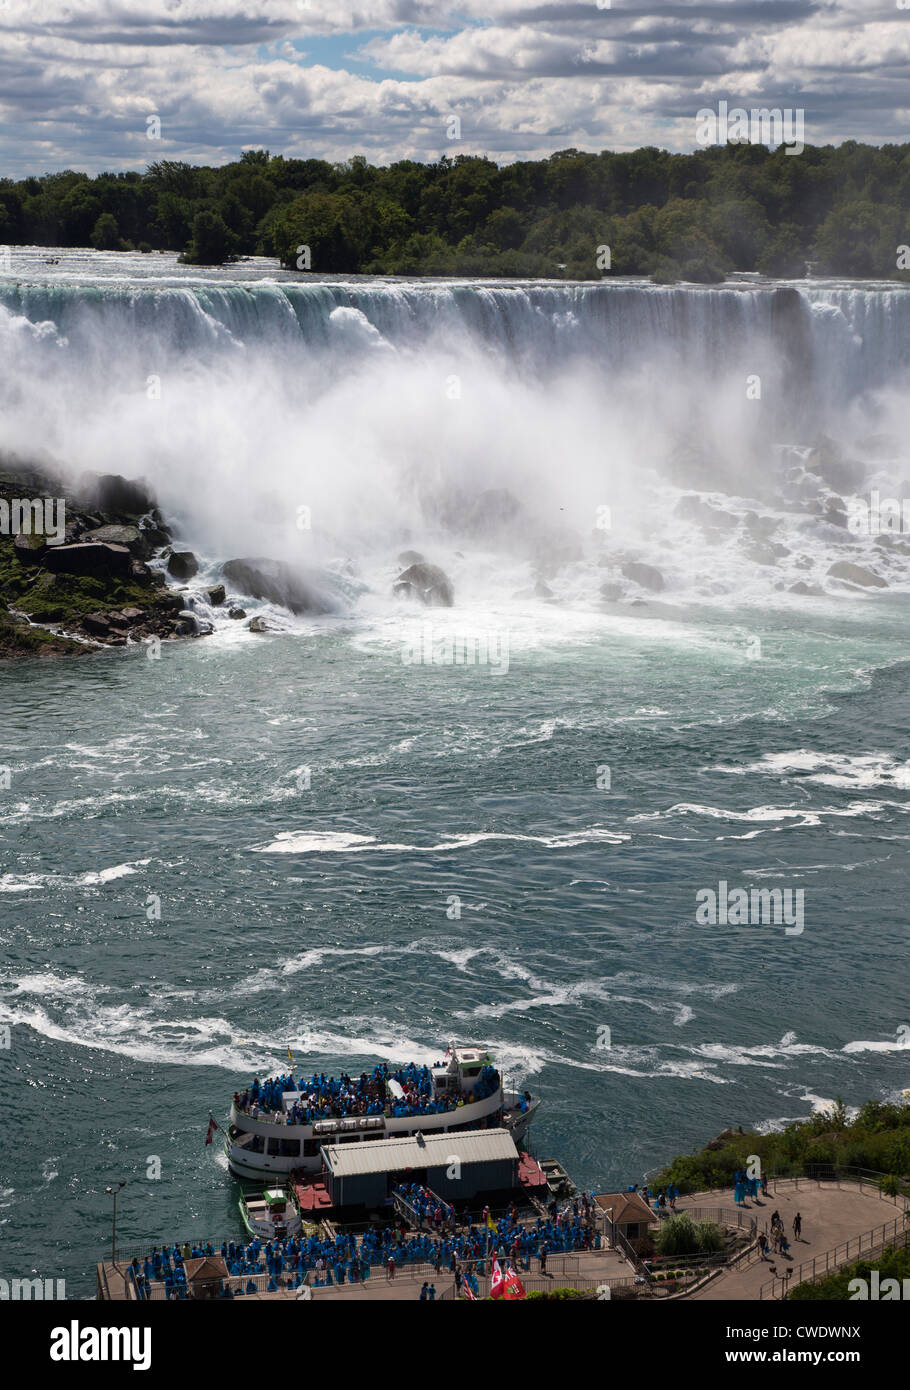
106, 234
212, 243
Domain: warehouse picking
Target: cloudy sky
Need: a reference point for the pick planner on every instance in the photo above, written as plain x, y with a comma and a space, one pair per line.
79, 79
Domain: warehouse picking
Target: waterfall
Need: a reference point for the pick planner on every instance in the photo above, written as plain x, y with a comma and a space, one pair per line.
378, 409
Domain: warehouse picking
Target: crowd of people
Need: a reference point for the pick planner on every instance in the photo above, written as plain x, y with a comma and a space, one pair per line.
425, 1205
322, 1097
316, 1260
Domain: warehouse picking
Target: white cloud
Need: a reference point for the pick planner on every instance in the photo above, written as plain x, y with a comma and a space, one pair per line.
79, 77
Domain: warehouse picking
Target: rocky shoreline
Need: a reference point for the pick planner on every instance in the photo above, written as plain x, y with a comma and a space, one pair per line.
90, 587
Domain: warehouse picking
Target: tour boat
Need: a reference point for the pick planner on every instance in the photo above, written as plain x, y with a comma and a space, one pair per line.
277, 1126
272, 1214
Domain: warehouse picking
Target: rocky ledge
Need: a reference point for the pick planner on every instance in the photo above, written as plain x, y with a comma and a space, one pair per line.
89, 585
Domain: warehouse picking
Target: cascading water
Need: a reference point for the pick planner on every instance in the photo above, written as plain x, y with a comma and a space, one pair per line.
387, 412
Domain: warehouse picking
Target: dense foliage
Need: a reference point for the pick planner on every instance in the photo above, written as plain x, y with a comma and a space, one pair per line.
680, 1235
893, 1263
696, 216
878, 1139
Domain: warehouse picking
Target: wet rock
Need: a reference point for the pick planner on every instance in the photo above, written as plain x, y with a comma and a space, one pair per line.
277, 582
109, 492
98, 559
827, 461
132, 615
130, 536
29, 550
759, 527
258, 624
141, 574
709, 517
410, 557
98, 624
427, 583
611, 592
215, 594
801, 587
645, 575
170, 602
182, 564
857, 574
236, 612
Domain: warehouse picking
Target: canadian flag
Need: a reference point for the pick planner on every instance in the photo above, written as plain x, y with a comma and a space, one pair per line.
497, 1283
512, 1285
213, 1125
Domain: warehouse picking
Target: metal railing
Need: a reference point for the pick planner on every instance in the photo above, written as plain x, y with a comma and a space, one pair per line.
810, 1271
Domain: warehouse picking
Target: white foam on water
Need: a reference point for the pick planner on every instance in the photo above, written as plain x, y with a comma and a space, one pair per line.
857, 771
346, 842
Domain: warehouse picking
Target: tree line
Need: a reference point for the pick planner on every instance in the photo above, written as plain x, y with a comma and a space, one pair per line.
735, 207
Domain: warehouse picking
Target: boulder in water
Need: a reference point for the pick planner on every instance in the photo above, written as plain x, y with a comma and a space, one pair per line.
182, 564
236, 612
98, 624
709, 517
258, 624
611, 592
276, 582
827, 461
428, 583
801, 587
857, 574
645, 575
410, 557
215, 594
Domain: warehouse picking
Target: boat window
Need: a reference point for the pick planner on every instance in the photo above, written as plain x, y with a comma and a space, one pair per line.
290, 1148
273, 1148
310, 1148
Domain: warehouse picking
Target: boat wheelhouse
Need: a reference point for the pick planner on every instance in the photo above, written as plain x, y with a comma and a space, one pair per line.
272, 1214
278, 1126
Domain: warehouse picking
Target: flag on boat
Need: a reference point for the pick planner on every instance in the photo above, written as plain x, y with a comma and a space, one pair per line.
468, 1292
496, 1280
290, 1057
512, 1287
213, 1125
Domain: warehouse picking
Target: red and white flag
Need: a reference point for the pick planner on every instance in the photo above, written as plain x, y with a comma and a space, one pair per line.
497, 1281
213, 1125
512, 1285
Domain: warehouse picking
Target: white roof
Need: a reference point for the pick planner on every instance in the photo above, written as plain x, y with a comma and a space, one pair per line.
436, 1151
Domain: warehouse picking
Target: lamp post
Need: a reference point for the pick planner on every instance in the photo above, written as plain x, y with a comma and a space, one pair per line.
114, 1192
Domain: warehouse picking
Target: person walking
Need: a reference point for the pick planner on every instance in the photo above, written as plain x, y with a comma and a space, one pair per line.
390, 1268
797, 1226
763, 1245
424, 1291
